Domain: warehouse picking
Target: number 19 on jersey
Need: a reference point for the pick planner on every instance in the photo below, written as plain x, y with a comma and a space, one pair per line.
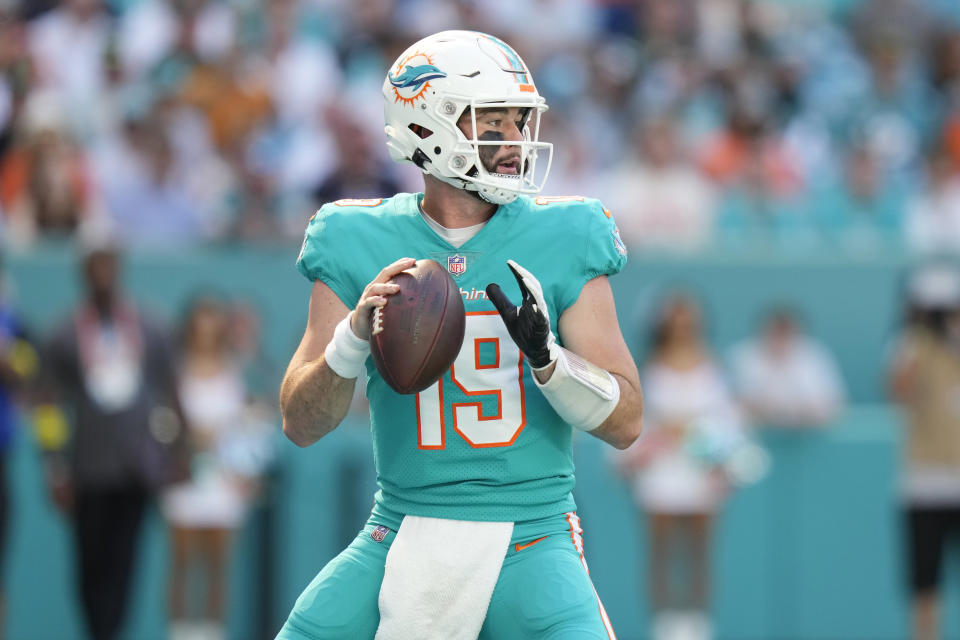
490, 410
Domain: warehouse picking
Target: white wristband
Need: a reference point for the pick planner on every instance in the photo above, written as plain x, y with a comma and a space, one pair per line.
346, 353
582, 393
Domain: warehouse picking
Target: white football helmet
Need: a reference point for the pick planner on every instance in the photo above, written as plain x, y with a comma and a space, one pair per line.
433, 83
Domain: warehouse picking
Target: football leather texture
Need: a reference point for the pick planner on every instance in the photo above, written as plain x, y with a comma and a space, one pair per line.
418, 333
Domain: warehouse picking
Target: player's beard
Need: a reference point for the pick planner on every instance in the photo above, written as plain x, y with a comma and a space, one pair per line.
491, 156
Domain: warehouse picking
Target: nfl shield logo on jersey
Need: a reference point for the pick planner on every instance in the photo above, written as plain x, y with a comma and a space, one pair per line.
456, 265
379, 533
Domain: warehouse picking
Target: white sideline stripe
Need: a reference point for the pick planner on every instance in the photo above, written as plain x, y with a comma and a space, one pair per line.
575, 535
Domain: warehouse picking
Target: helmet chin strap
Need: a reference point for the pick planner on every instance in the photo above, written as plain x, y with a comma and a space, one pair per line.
506, 199
479, 191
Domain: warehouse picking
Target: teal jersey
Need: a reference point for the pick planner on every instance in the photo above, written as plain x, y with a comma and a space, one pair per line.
482, 443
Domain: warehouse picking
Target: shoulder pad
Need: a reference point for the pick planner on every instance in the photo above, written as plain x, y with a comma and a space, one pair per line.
349, 205
358, 202
575, 203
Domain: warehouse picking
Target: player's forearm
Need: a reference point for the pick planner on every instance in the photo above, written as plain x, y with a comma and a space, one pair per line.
313, 401
622, 427
605, 404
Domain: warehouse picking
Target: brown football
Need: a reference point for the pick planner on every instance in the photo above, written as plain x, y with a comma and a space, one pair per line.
418, 333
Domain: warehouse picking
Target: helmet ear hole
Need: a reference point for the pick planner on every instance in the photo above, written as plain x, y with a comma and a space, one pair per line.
420, 131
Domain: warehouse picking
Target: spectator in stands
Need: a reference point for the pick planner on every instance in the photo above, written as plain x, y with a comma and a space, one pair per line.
945, 62
676, 467
45, 185
924, 378
205, 511
234, 100
861, 210
69, 47
359, 172
661, 199
14, 75
148, 202
896, 109
785, 378
760, 183
154, 30
933, 214
304, 72
108, 367
748, 145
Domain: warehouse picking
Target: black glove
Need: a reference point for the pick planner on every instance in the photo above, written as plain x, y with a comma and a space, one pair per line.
528, 324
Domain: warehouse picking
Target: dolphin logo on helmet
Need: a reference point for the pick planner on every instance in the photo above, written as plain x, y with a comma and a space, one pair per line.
411, 80
416, 76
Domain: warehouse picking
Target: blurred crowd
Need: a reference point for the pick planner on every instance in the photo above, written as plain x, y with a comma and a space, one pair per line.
698, 122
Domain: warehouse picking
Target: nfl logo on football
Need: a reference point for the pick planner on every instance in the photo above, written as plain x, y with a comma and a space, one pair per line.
456, 265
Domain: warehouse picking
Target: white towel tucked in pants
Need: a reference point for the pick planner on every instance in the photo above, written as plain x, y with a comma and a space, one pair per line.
439, 577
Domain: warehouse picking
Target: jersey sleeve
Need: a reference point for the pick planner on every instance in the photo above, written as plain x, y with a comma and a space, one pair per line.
321, 256
603, 252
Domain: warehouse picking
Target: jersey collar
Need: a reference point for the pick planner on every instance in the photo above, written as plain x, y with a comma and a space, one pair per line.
498, 223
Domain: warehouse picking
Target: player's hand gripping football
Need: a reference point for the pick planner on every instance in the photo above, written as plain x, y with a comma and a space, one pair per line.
375, 295
528, 324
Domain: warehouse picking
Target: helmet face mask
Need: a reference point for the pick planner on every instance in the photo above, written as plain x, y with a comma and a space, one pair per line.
476, 152
453, 75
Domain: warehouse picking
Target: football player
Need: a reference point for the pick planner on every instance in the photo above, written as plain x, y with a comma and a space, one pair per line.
474, 531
